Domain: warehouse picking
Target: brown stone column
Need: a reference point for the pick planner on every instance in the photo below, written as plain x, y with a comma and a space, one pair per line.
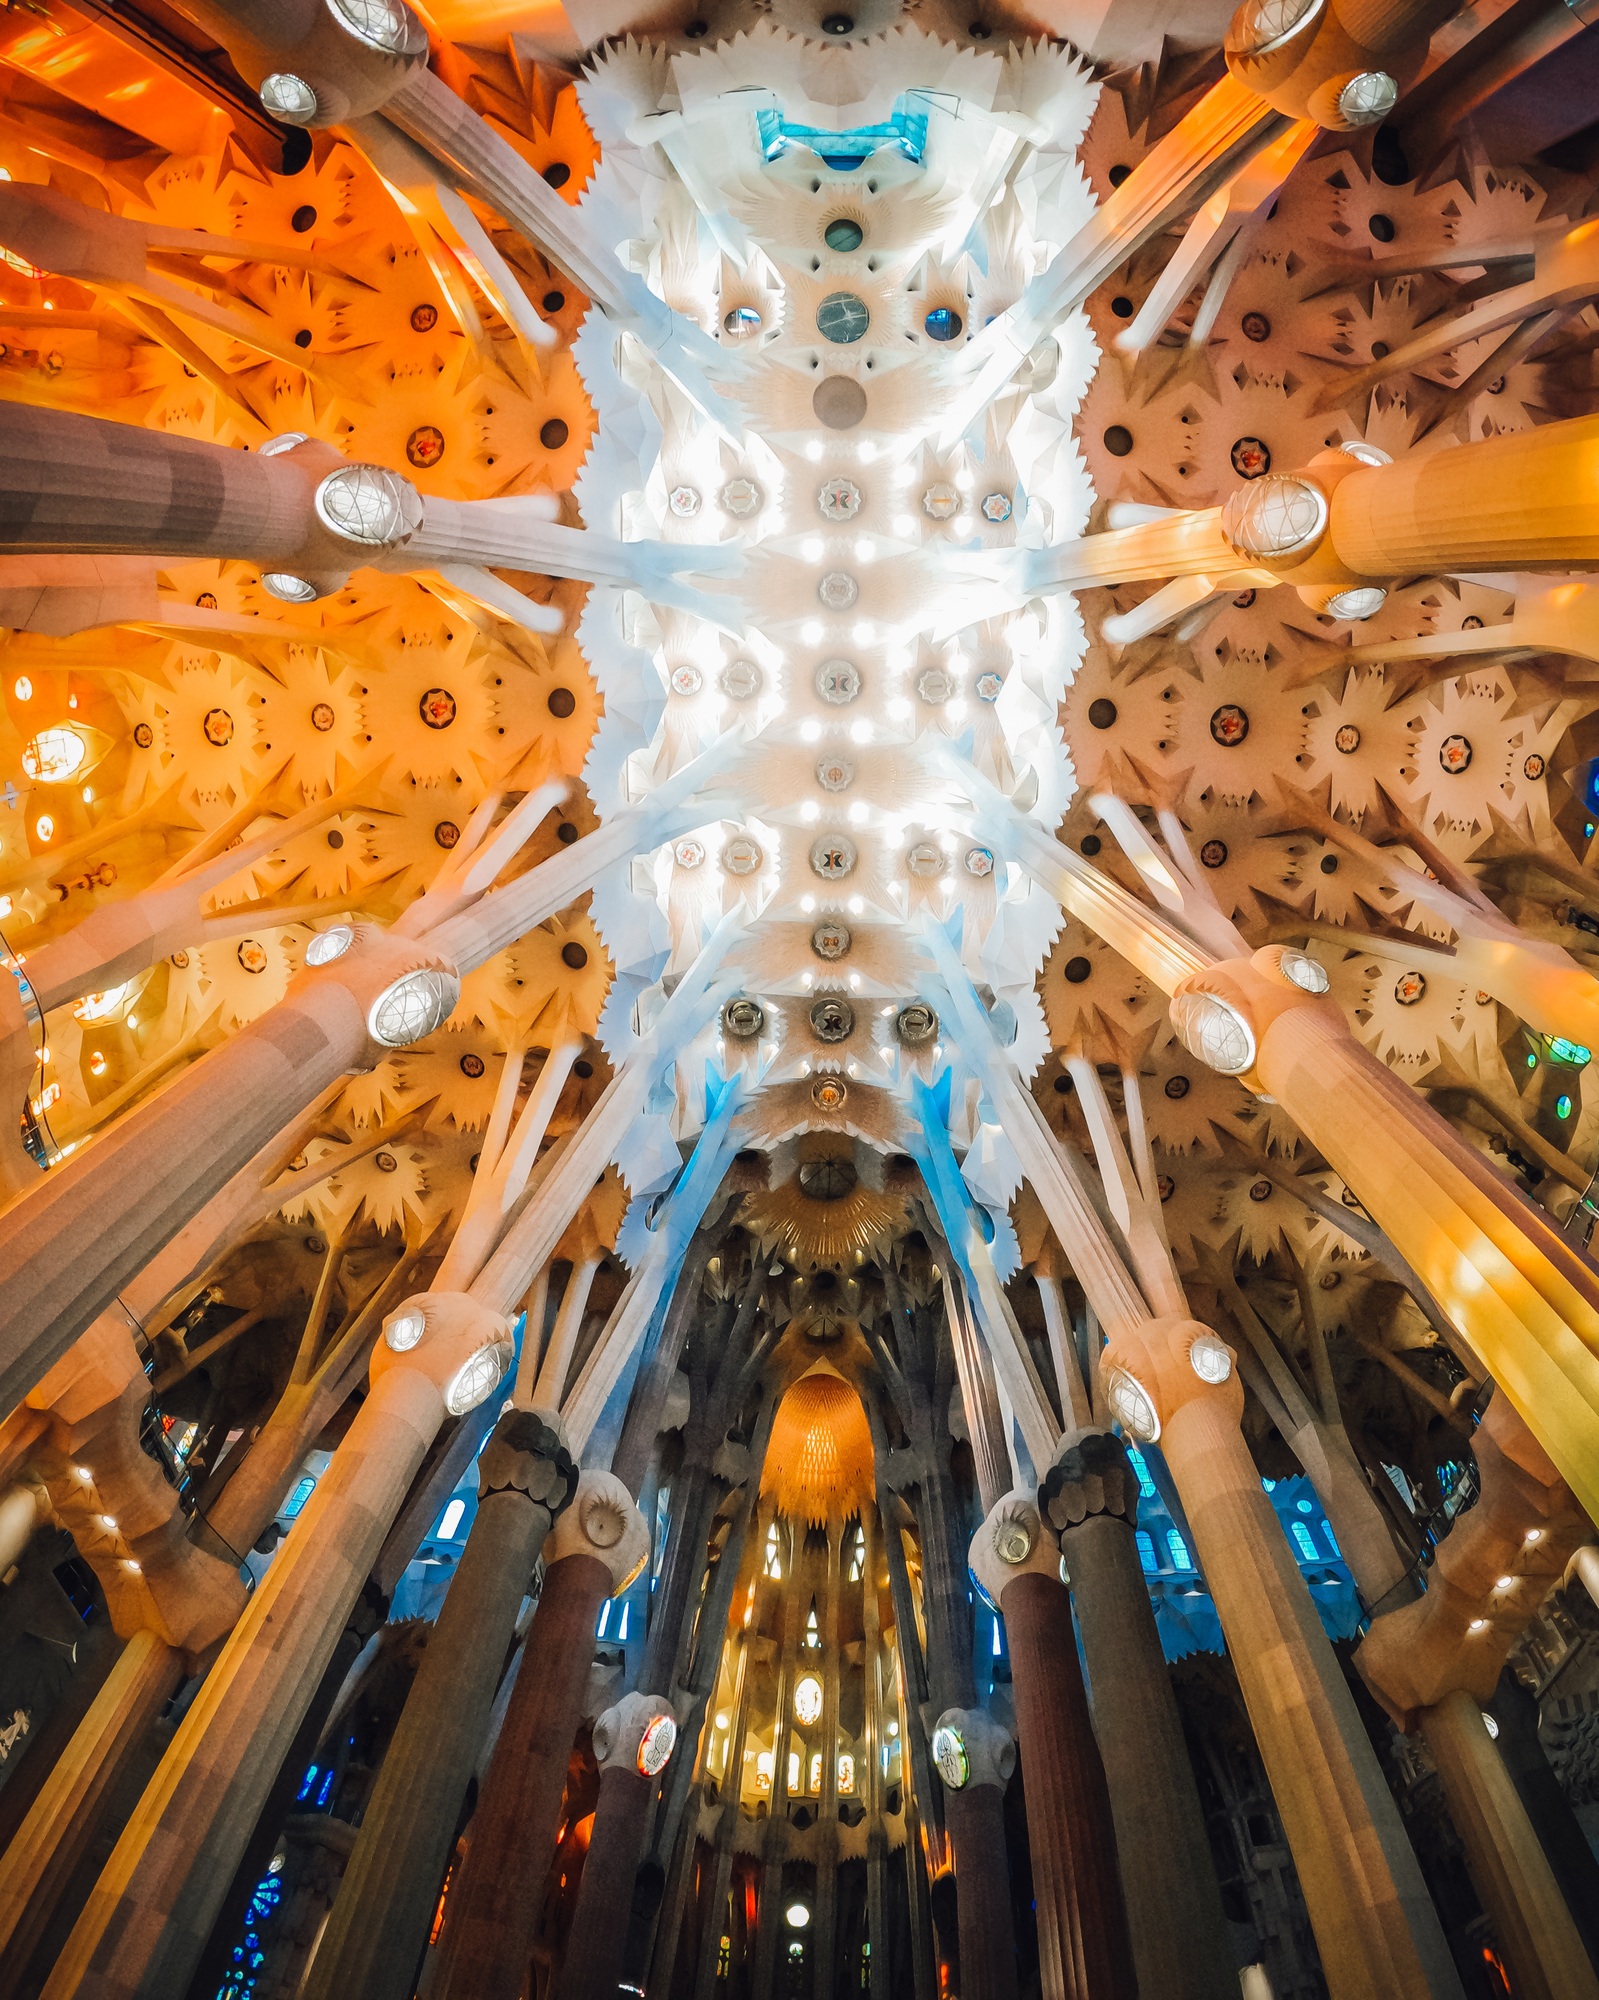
147, 1919
1084, 1950
69, 1246
378, 1928
597, 1546
975, 1758
1179, 1936
632, 1742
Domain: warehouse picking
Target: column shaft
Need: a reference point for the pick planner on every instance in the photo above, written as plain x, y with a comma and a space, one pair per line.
975, 1818
1374, 1922
54, 1837
1174, 1910
378, 1928
148, 1917
1543, 1953
494, 1908
598, 1938
1083, 1945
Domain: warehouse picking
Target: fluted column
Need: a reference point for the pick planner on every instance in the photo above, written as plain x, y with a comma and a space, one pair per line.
632, 1743
69, 1246
1089, 1498
975, 1758
1522, 1296
1083, 1945
148, 1917
597, 1547
1376, 1929
378, 1928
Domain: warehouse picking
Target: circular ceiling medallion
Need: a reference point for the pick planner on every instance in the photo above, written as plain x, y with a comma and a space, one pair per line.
838, 590
742, 855
839, 402
829, 1093
322, 716
684, 501
838, 681
1251, 458
842, 318
1229, 725
446, 833
830, 941
1214, 854
832, 1019
1410, 987
1533, 767
916, 1025
997, 509
934, 686
252, 956
687, 680
833, 856
1346, 738
835, 774
1454, 754
437, 708
218, 727
425, 446
741, 498
941, 501
739, 679
839, 500
925, 859
688, 853
743, 1019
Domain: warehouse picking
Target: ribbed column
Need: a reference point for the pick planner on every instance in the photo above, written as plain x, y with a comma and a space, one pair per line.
632, 1743
1179, 1937
597, 1546
1083, 1947
68, 1247
974, 1816
378, 1928
1375, 1925
62, 1821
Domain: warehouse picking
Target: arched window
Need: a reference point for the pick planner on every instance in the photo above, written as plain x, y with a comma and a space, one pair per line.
1304, 1542
1332, 1540
450, 1520
1146, 1552
774, 1561
1146, 1485
1178, 1548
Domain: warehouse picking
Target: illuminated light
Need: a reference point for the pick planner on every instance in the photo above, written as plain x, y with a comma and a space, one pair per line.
656, 1746
1506, 1583
88, 795
866, 452
797, 1916
811, 631
133, 1020
861, 731
1210, 1358
857, 905
1131, 1405
1478, 1625
44, 1053
864, 549
949, 1754
1491, 1725
108, 1521
1562, 1106
5, 906
810, 731
414, 1006
477, 1379
813, 450
44, 826
402, 1332
810, 811
900, 709
97, 1064
722, 1718
330, 944
82, 1472
22, 687
133, 1568
956, 709
807, 1700
857, 813
42, 1103
811, 549
1534, 1535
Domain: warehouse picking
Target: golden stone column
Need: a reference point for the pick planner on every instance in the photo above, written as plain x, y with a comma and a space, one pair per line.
1521, 1295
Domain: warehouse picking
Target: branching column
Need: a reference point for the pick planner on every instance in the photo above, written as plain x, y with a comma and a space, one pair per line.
598, 1546
1083, 1946
975, 1758
378, 1928
1180, 1947
632, 1743
1375, 1924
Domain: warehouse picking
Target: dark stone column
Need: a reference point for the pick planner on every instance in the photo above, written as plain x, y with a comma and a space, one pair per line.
1556, 1825
632, 1742
1179, 1938
1083, 1947
378, 1929
597, 1545
974, 1816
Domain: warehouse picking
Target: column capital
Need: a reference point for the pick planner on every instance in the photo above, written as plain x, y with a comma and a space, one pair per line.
1013, 1541
602, 1522
452, 1339
1222, 1014
638, 1733
1092, 1475
528, 1451
1152, 1371
405, 989
970, 1748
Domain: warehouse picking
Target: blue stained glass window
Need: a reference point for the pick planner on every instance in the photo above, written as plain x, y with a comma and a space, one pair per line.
621, 1630
307, 1786
1146, 1485
303, 1490
905, 132
450, 1524
1332, 1540
1146, 1553
1181, 1559
1304, 1542
605, 1619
